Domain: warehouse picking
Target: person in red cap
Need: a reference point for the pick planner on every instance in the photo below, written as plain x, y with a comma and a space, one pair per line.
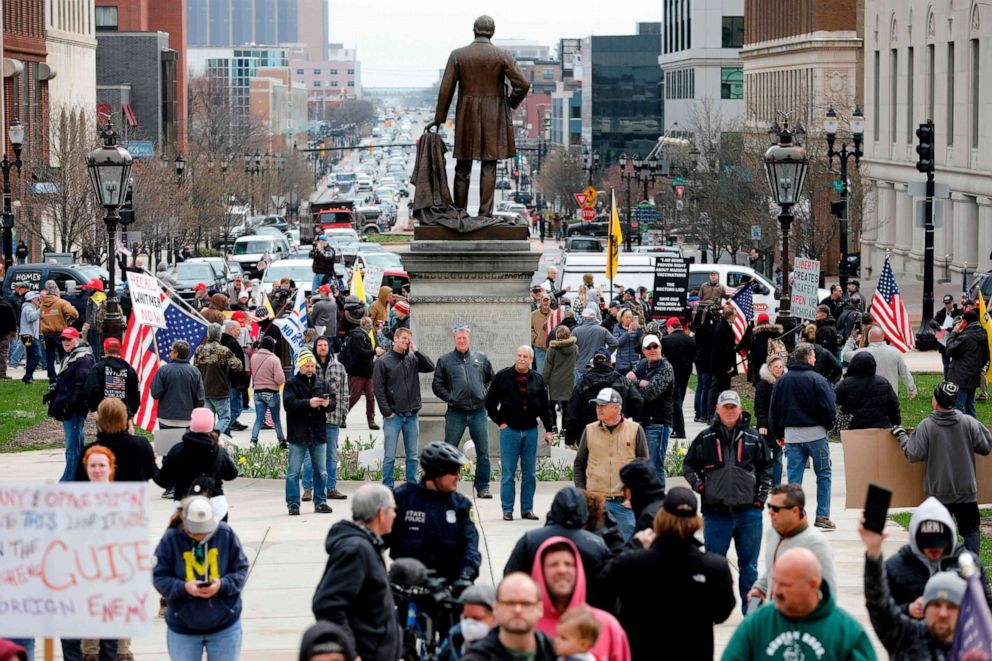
66, 401
201, 300
112, 377
762, 333
91, 329
401, 315
680, 349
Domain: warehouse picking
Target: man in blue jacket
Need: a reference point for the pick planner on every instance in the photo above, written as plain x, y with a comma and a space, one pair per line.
66, 397
802, 411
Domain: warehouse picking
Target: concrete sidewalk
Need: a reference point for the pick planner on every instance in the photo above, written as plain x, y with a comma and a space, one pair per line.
287, 554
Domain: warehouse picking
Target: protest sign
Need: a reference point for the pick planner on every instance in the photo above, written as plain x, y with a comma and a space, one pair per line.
146, 297
671, 283
874, 455
806, 279
373, 279
75, 560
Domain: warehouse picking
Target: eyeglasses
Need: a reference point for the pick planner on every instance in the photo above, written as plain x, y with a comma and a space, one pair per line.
653, 346
779, 508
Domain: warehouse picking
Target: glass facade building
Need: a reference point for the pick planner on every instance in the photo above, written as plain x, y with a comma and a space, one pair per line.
226, 23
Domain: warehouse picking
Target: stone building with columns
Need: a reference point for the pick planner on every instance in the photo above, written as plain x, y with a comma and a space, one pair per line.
928, 59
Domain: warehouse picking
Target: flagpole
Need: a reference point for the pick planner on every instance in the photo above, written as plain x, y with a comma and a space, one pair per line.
609, 239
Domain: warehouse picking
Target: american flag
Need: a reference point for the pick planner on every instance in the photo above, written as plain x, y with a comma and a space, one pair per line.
556, 317
743, 304
139, 351
888, 309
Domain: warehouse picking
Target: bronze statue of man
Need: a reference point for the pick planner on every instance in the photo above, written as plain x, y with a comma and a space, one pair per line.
483, 123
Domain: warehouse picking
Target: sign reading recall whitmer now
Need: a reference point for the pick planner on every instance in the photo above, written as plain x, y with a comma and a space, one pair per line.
146, 298
75, 560
806, 279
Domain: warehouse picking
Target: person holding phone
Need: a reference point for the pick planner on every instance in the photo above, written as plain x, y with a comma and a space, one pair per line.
307, 399
200, 570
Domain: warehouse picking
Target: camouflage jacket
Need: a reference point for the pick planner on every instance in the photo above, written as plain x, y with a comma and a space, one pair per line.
216, 362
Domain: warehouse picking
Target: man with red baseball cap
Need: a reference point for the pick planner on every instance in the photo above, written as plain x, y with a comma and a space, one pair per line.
112, 377
91, 330
201, 300
680, 349
66, 401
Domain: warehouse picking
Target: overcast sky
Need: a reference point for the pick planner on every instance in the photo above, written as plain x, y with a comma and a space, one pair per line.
403, 43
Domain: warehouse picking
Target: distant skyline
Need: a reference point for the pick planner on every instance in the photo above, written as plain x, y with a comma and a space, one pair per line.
405, 44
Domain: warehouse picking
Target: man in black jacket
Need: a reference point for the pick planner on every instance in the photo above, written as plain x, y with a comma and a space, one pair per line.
354, 591
307, 399
396, 380
729, 464
566, 518
517, 610
723, 357
645, 493
942, 324
655, 380
602, 375
357, 355
680, 349
516, 400
461, 379
968, 349
112, 377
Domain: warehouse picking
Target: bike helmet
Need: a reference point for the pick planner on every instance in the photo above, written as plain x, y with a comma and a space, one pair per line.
440, 458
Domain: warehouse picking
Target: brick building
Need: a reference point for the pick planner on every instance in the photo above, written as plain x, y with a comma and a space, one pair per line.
802, 58
25, 71
168, 16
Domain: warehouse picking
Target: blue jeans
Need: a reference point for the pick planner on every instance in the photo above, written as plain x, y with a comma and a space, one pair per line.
455, 422
517, 446
16, 352
93, 339
224, 645
745, 529
221, 406
53, 354
409, 425
623, 516
966, 402
32, 355
658, 447
776, 466
819, 453
73, 427
704, 408
539, 356
332, 461
236, 408
267, 401
318, 456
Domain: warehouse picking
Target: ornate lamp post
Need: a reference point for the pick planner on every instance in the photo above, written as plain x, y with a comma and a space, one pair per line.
253, 166
840, 208
786, 165
16, 134
626, 176
590, 163
110, 168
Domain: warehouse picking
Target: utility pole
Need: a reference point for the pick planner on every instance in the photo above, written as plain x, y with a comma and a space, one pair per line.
925, 133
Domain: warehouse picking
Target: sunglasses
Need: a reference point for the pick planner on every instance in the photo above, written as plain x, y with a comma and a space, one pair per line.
778, 508
653, 346
67, 339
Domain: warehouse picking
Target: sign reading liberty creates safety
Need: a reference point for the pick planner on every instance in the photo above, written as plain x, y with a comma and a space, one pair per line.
146, 297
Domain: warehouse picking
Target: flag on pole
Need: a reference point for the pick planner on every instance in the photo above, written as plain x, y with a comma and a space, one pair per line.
140, 343
964, 284
889, 310
973, 633
357, 288
615, 237
743, 304
986, 320
294, 325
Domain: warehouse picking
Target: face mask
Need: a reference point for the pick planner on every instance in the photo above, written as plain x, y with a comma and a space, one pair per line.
473, 630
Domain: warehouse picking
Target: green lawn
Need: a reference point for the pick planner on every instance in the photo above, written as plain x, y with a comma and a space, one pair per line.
390, 238
985, 551
22, 409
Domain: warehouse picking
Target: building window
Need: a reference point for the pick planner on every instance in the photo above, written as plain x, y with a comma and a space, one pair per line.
106, 19
351, 72
733, 32
351, 83
731, 83
950, 94
334, 72
299, 72
316, 83
548, 74
334, 83
875, 101
975, 93
910, 67
893, 94
316, 72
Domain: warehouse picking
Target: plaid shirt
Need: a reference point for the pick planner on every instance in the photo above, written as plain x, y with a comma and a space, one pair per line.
333, 372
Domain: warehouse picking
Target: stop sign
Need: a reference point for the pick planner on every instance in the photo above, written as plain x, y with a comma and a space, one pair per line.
588, 214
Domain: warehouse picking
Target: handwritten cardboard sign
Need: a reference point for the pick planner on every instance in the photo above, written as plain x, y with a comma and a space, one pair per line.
75, 560
806, 274
146, 299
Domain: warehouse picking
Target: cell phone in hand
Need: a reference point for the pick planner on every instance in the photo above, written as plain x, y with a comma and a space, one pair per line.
204, 584
877, 507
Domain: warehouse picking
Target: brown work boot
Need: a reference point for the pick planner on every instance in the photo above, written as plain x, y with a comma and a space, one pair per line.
334, 494
825, 523
307, 495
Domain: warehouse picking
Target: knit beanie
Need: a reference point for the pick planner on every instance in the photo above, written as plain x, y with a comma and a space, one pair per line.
201, 420
306, 357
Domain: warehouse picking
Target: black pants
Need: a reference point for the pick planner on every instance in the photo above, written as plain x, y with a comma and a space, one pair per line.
720, 383
967, 518
678, 398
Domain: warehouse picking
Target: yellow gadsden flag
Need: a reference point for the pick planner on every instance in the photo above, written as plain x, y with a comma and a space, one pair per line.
357, 288
986, 321
615, 238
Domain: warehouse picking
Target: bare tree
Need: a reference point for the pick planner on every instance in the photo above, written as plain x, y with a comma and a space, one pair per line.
561, 176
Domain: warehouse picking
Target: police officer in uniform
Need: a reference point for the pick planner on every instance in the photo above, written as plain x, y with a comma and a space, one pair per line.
434, 523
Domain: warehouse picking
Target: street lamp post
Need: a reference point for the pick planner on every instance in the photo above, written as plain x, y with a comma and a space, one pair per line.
785, 168
110, 169
626, 176
253, 166
841, 207
16, 134
591, 163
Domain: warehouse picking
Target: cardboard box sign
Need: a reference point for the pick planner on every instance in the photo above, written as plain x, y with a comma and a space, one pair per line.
874, 455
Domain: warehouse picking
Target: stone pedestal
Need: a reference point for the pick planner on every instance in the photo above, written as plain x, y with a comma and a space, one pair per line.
483, 281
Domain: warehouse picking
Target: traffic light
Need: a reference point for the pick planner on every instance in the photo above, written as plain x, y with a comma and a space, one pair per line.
127, 209
838, 207
925, 148
679, 192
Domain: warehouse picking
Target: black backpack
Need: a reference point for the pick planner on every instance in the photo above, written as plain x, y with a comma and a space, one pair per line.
344, 356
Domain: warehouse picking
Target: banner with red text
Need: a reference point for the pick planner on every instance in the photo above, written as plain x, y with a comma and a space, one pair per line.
75, 560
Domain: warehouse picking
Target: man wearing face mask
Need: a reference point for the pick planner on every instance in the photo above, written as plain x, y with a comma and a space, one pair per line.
476, 621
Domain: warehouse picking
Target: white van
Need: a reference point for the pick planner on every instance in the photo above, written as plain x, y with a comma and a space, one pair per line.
637, 270
249, 251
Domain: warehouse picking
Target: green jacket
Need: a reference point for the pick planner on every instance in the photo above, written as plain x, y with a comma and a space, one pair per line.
828, 632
